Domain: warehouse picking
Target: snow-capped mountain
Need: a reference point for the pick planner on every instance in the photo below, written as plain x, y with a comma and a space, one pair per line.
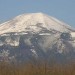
34, 22
35, 36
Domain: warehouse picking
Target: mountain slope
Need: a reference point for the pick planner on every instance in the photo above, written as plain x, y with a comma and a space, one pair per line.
35, 36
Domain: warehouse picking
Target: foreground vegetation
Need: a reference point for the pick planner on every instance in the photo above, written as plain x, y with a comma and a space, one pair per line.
37, 69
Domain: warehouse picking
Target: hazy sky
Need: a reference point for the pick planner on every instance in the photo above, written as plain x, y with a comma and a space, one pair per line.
61, 9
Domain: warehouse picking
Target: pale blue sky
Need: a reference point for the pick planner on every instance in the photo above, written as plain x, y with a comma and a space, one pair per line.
61, 9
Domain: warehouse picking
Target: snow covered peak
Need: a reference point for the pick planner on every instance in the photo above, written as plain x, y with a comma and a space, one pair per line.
33, 22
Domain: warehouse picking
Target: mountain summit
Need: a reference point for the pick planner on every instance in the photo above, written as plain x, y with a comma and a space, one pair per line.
33, 22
